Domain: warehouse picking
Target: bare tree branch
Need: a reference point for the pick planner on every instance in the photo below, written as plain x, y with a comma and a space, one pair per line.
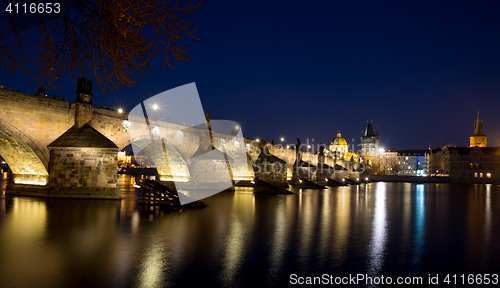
114, 40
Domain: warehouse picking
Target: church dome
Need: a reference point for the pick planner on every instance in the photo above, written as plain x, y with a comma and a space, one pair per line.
339, 140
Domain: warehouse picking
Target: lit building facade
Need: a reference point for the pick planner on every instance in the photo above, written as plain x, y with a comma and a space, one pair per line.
338, 144
388, 161
472, 164
338, 149
434, 162
410, 162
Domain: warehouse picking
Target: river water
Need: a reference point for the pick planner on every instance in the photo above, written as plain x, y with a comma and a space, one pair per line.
251, 240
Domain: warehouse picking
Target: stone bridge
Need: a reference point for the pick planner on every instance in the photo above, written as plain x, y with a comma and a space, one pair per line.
28, 124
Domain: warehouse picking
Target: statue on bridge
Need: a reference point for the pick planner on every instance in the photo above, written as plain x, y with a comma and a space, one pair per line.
41, 91
298, 152
321, 149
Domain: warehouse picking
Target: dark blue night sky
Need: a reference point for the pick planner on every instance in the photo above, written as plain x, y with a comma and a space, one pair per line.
420, 70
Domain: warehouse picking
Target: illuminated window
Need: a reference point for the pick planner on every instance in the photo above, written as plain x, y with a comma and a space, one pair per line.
476, 165
406, 158
488, 175
470, 166
475, 174
481, 175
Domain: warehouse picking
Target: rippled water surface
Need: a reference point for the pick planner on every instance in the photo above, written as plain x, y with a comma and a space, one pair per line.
250, 240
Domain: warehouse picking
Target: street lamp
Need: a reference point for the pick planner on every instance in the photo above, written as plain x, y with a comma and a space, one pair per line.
120, 110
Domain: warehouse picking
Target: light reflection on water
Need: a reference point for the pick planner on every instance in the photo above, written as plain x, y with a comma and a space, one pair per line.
419, 227
487, 225
379, 231
247, 240
279, 244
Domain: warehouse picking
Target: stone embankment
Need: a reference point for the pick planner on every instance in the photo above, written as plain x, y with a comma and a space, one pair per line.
410, 179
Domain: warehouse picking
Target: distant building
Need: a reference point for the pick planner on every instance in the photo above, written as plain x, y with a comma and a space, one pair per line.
338, 149
410, 162
143, 160
478, 138
388, 161
338, 146
434, 162
472, 164
370, 144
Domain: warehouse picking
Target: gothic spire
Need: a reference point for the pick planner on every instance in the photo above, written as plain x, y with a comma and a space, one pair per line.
478, 126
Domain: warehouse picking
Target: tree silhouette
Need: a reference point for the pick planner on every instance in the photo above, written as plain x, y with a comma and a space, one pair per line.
110, 41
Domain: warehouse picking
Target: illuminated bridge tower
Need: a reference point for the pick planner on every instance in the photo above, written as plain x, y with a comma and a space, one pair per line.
370, 144
478, 138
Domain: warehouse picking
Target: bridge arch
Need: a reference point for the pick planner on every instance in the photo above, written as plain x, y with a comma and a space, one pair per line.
26, 161
171, 167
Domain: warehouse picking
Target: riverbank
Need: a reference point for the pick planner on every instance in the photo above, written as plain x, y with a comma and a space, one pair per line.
410, 179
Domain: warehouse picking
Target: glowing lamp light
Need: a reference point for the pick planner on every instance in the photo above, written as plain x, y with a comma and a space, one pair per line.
120, 110
357, 179
381, 150
366, 178
155, 106
282, 139
300, 181
343, 179
257, 140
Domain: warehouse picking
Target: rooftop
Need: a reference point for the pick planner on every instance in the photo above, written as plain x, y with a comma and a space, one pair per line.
85, 136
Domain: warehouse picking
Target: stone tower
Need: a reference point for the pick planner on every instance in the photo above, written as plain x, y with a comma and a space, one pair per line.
84, 108
478, 138
370, 143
